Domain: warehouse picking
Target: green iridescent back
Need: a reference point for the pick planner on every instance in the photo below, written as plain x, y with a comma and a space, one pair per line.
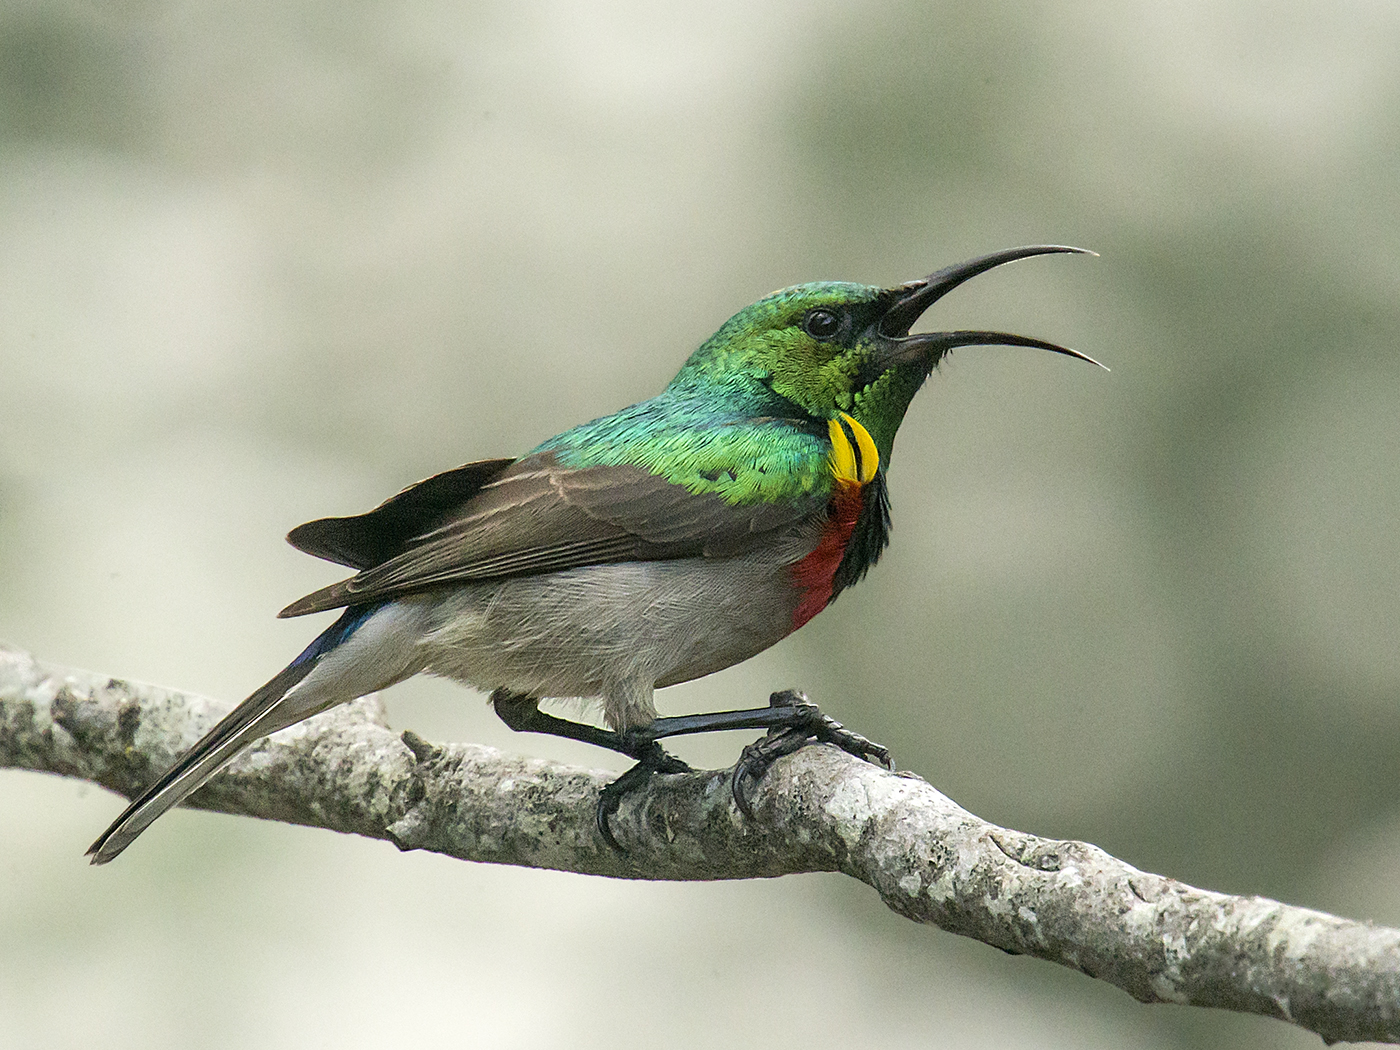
746, 415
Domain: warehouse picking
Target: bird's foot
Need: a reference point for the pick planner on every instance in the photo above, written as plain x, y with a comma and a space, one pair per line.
651, 758
809, 725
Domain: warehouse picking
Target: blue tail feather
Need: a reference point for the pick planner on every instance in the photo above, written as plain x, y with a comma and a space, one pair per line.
348, 623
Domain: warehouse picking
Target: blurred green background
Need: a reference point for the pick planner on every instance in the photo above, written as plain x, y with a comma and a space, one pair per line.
263, 262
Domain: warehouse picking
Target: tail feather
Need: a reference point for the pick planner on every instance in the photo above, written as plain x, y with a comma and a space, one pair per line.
255, 717
241, 726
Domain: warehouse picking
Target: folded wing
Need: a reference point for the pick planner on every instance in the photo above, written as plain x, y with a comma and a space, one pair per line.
498, 518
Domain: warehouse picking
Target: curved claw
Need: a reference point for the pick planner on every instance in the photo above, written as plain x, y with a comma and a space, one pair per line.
602, 816
610, 798
653, 759
811, 726
757, 757
736, 786
752, 764
833, 732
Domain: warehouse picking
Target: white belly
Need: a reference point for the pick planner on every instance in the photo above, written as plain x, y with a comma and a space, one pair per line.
610, 631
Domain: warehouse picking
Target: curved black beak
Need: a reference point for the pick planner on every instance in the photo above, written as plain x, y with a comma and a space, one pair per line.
909, 301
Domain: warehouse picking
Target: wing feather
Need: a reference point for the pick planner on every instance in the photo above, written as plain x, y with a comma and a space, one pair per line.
364, 540
536, 516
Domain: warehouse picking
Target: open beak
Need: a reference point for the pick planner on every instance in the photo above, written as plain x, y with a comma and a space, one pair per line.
909, 301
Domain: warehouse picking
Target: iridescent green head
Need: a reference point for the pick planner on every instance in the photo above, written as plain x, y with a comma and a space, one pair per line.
819, 350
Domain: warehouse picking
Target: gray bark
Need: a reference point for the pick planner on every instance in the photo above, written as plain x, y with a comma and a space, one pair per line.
818, 810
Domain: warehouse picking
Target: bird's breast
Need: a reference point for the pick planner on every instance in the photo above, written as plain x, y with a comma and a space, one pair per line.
815, 575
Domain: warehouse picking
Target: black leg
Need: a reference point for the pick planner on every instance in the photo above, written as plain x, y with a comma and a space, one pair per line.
653, 759
791, 720
522, 713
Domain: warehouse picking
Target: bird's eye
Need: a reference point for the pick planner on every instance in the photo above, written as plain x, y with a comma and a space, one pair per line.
821, 324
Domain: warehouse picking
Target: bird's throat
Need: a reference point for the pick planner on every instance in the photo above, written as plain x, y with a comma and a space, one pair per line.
815, 575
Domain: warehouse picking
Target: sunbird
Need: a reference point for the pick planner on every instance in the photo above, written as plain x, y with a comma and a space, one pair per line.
664, 542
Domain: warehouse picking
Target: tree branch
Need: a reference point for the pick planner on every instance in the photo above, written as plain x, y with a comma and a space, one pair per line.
818, 810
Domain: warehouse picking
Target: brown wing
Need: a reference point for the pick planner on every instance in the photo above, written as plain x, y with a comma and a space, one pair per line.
365, 540
537, 516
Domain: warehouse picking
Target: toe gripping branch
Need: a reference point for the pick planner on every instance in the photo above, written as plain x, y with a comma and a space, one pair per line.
791, 720
806, 725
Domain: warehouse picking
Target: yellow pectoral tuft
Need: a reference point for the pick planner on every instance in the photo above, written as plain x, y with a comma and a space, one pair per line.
854, 457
